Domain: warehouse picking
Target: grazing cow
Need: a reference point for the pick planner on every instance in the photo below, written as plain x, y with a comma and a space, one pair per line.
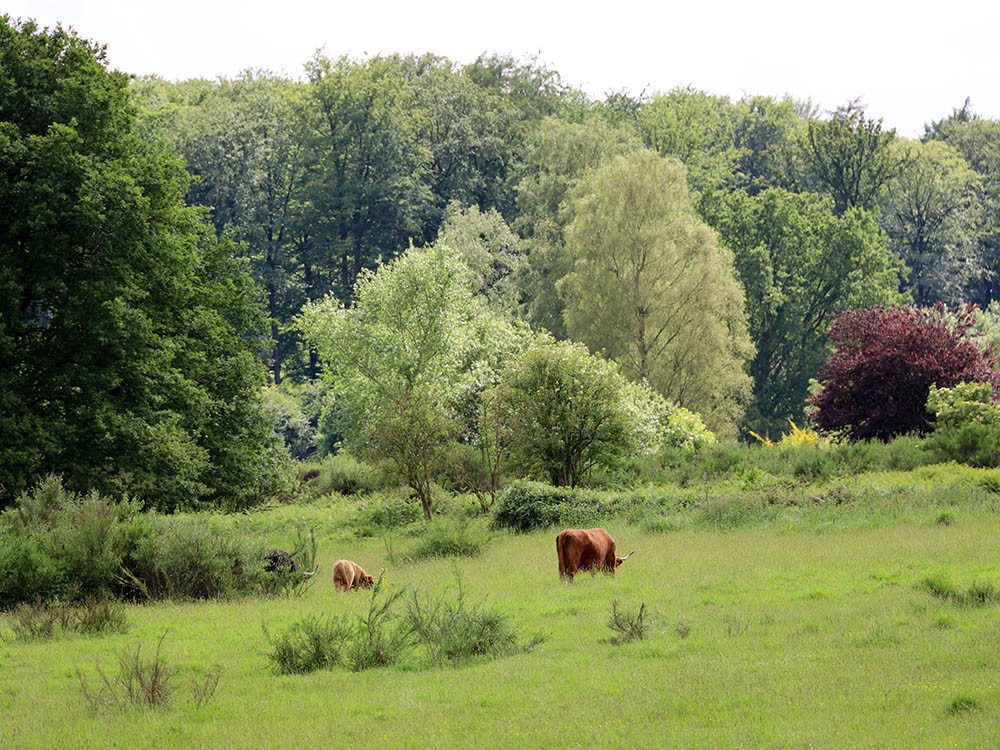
349, 575
586, 549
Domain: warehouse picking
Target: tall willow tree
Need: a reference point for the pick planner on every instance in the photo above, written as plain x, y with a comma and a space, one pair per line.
652, 288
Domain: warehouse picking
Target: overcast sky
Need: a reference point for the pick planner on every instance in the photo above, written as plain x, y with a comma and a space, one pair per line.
908, 65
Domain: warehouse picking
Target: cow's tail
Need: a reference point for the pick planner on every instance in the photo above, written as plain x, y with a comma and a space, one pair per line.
561, 554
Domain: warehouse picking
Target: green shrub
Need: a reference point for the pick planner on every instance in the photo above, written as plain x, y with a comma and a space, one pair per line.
377, 639
308, 645
452, 631
452, 537
346, 475
627, 626
58, 543
967, 424
526, 505
29, 570
382, 512
382, 636
187, 560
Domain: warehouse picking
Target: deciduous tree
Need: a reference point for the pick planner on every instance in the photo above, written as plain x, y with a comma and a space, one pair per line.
799, 262
876, 383
127, 330
652, 288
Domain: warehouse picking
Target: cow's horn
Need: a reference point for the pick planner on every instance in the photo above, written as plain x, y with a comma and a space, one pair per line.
311, 572
628, 555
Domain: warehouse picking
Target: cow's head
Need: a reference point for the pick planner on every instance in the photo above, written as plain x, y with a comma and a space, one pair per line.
367, 581
620, 560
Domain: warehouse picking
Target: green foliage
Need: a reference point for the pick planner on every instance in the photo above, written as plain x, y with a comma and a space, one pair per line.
850, 157
295, 410
127, 330
347, 475
798, 261
452, 631
308, 645
493, 254
366, 188
60, 546
556, 156
568, 410
627, 626
186, 560
451, 537
524, 506
931, 211
967, 424
651, 288
243, 138
685, 429
400, 358
383, 512
697, 128
378, 638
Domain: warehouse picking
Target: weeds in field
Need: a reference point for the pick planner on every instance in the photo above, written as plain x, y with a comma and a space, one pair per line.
977, 595
450, 630
381, 636
144, 682
308, 645
945, 518
447, 537
737, 625
45, 619
628, 626
962, 704
139, 682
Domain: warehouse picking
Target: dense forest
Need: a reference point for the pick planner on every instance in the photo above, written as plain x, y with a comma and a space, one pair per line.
182, 263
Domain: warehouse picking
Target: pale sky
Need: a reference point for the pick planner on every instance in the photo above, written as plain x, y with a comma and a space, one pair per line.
908, 62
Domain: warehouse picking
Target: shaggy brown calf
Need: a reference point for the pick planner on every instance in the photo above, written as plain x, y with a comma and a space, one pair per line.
586, 549
349, 575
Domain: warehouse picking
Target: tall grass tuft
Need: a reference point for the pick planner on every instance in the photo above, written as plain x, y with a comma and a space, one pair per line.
628, 626
452, 631
976, 595
139, 682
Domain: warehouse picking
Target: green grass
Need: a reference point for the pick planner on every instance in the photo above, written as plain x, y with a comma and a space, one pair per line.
795, 640
809, 626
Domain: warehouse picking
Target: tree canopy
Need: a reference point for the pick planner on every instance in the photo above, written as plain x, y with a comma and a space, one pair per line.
652, 289
127, 329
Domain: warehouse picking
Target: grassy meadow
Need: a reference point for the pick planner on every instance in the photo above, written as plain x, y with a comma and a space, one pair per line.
808, 627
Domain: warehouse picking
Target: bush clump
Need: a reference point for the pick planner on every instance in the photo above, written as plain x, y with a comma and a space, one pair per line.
60, 546
967, 424
452, 537
447, 629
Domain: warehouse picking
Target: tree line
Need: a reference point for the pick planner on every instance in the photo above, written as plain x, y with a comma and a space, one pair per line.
163, 238
814, 212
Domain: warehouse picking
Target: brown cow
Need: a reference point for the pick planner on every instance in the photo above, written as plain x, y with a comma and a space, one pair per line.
586, 549
349, 575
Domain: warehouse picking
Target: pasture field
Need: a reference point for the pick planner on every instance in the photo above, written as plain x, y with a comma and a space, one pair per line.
759, 636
